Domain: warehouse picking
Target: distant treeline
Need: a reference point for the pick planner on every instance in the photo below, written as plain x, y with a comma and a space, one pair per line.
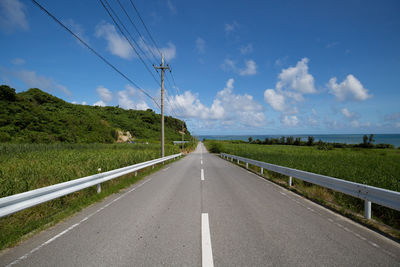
367, 142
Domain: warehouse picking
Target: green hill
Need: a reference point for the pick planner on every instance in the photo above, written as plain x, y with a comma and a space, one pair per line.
38, 117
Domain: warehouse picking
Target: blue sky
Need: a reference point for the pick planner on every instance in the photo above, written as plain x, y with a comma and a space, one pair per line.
241, 67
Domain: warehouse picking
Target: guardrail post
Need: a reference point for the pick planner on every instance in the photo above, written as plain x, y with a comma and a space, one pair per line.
152, 166
99, 185
232, 159
290, 181
247, 165
238, 161
262, 171
135, 174
367, 209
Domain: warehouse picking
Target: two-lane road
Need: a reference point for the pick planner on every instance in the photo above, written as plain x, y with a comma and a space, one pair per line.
203, 210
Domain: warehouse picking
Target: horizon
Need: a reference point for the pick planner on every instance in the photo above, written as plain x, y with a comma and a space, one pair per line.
332, 68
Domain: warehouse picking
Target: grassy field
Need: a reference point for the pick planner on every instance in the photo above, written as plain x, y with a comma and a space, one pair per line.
376, 167
27, 167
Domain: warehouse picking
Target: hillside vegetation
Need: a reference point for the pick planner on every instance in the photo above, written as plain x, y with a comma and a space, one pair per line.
38, 117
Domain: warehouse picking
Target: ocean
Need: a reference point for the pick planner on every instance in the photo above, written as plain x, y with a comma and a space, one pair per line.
393, 139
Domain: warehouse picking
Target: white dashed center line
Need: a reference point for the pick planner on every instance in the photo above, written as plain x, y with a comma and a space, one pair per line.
202, 174
206, 250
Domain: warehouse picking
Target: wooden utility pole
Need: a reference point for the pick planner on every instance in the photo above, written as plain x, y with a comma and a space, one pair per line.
162, 68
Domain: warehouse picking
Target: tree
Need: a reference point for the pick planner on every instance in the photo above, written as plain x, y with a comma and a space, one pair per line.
365, 140
282, 140
266, 141
290, 140
371, 139
297, 142
250, 139
310, 141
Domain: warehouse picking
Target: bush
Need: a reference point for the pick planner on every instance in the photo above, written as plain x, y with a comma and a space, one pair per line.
325, 146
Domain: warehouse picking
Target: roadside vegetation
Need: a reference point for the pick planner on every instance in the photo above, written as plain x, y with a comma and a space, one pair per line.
26, 167
375, 167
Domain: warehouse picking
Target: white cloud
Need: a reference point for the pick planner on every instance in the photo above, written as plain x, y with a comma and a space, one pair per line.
168, 51
117, 45
200, 45
33, 80
292, 84
297, 78
227, 108
350, 89
18, 61
250, 69
348, 114
354, 123
228, 65
77, 29
291, 121
314, 112
231, 27
130, 98
246, 49
275, 100
12, 15
104, 93
100, 103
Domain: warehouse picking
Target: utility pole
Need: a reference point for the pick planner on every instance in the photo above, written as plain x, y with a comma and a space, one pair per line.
183, 134
162, 68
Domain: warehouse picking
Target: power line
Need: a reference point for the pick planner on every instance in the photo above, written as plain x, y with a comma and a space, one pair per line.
94, 51
148, 32
122, 32
137, 30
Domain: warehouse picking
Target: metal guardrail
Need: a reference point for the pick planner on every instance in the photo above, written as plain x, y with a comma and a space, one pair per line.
369, 194
18, 202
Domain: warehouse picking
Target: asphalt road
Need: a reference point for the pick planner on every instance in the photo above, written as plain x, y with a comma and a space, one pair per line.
205, 211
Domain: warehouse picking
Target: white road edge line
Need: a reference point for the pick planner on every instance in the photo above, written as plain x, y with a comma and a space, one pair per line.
202, 174
206, 250
201, 162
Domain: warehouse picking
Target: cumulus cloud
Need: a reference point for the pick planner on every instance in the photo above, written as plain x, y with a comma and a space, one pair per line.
246, 49
348, 114
227, 108
100, 103
275, 100
200, 45
250, 69
168, 51
130, 98
350, 89
34, 80
116, 44
231, 27
104, 93
297, 78
290, 121
293, 83
77, 29
12, 15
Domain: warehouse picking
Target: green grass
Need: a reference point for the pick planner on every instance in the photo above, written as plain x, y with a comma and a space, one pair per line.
375, 167
27, 167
